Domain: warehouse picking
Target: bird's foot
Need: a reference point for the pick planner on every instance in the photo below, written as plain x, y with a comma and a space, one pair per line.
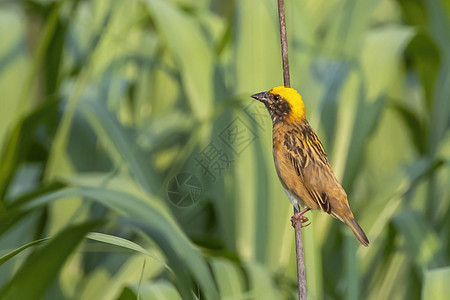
299, 217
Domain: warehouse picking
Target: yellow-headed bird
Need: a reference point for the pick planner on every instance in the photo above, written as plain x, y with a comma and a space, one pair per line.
301, 162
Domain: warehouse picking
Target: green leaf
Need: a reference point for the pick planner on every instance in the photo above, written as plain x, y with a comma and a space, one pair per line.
121, 145
436, 284
417, 129
13, 253
423, 244
415, 12
256, 68
229, 278
260, 283
160, 289
121, 242
183, 257
18, 145
13, 214
432, 59
41, 268
427, 60
348, 24
184, 38
368, 115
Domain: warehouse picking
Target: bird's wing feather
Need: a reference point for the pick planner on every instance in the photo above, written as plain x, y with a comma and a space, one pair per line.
310, 162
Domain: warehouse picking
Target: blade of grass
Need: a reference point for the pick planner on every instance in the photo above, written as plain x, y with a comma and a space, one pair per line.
154, 221
13, 253
124, 243
41, 268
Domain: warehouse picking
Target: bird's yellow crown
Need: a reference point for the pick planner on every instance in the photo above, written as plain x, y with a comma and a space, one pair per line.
294, 99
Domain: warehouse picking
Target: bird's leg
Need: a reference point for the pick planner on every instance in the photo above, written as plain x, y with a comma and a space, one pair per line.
299, 217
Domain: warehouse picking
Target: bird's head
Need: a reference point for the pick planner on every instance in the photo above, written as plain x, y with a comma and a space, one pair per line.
282, 103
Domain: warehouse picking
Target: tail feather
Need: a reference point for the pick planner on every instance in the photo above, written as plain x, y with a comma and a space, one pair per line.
357, 230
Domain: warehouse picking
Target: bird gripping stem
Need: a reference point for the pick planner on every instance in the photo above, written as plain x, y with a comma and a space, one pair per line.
287, 83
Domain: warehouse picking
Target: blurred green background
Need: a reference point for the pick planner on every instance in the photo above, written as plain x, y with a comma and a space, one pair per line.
134, 164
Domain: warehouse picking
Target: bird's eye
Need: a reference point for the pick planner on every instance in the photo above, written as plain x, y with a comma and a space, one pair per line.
277, 97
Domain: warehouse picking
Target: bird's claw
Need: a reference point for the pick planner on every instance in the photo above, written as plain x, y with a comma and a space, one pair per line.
304, 225
299, 217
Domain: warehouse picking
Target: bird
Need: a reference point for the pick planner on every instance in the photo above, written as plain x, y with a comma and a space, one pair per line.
301, 162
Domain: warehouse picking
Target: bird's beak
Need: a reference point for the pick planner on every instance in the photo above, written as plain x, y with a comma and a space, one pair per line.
261, 97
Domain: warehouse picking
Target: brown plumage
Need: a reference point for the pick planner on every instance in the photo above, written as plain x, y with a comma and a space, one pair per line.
301, 162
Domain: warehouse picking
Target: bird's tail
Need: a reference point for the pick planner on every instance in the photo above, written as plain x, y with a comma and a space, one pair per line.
357, 230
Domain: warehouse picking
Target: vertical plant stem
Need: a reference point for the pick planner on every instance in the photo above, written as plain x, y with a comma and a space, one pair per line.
284, 48
300, 259
298, 227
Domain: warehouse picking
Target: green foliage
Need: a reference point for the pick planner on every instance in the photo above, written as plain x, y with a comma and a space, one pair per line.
40, 269
115, 110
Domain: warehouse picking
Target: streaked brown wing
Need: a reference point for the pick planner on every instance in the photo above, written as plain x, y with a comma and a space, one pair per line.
310, 162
